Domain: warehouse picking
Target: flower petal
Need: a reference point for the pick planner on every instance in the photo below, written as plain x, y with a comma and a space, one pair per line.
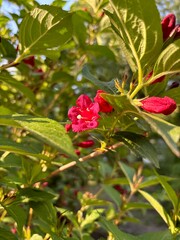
73, 113
83, 101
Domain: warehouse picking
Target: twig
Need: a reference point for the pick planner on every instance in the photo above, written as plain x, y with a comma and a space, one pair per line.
83, 159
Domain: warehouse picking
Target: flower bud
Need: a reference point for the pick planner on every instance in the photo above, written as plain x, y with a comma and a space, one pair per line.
159, 105
168, 24
30, 61
160, 79
86, 144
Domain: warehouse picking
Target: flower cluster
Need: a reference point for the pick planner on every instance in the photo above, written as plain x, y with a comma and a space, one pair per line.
85, 114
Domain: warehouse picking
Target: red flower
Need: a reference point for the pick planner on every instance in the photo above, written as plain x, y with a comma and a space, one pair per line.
103, 104
29, 61
160, 79
164, 105
168, 24
84, 115
86, 144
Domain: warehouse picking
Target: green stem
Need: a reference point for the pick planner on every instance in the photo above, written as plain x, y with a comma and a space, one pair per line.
16, 61
136, 90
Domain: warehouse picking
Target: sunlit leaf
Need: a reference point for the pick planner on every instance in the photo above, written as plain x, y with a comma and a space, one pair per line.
159, 208
169, 132
47, 130
44, 31
139, 30
91, 217
169, 190
169, 61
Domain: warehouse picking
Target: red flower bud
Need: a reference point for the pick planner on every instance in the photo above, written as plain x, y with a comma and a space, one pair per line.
120, 189
86, 144
103, 104
160, 79
157, 105
30, 61
78, 153
177, 32
168, 24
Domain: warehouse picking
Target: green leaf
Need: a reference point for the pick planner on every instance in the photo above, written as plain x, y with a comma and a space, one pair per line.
35, 195
32, 172
122, 104
23, 149
138, 144
153, 180
170, 191
44, 31
113, 194
168, 61
6, 49
113, 181
7, 235
159, 208
169, 132
79, 29
173, 93
136, 205
47, 130
100, 51
165, 235
18, 86
128, 172
116, 232
137, 23
106, 86
18, 214
91, 217
46, 214
5, 117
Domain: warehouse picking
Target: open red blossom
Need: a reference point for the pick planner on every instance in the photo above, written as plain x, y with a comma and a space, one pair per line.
103, 104
163, 105
168, 24
86, 144
84, 115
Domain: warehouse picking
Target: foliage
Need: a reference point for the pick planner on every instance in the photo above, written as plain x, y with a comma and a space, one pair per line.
50, 68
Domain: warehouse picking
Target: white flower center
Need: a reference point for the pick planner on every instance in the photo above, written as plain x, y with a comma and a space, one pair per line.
79, 116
